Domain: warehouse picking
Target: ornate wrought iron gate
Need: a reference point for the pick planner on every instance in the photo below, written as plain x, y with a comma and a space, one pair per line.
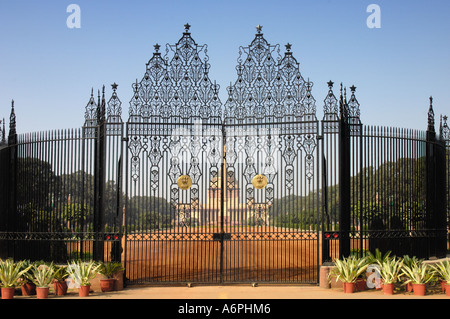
255, 189
207, 191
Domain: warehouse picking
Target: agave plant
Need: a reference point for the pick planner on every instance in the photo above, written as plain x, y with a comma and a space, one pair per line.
42, 275
409, 261
60, 272
25, 278
11, 272
417, 273
442, 269
378, 257
390, 270
109, 269
83, 272
349, 269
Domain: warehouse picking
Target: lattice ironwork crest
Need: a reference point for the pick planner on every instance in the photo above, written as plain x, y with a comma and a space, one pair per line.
269, 87
176, 87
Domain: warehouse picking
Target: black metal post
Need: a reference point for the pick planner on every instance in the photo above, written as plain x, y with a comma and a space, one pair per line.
344, 180
441, 199
99, 181
435, 187
326, 252
12, 180
116, 250
222, 202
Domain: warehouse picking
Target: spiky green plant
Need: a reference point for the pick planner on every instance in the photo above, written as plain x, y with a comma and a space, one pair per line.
109, 269
409, 261
27, 264
390, 270
441, 269
83, 272
349, 269
60, 272
11, 272
378, 257
42, 274
417, 273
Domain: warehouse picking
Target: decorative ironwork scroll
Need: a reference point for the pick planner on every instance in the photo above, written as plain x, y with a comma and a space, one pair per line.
172, 115
176, 87
270, 114
268, 88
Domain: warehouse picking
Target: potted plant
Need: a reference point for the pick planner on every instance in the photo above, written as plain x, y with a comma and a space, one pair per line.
59, 280
373, 278
409, 262
42, 276
10, 276
419, 274
390, 269
442, 271
28, 288
108, 270
83, 273
348, 270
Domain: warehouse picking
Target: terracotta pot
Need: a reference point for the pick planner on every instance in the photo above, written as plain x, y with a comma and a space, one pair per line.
349, 287
28, 289
447, 289
42, 292
83, 291
107, 284
419, 289
443, 284
60, 287
388, 289
409, 287
361, 285
8, 292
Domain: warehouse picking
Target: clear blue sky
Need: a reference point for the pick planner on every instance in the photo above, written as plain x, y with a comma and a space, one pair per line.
49, 69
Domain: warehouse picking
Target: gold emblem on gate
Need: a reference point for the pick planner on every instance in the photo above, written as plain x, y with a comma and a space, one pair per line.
259, 181
184, 182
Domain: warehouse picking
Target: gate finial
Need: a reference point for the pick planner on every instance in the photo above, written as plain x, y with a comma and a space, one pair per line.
341, 103
259, 28
431, 116
330, 84
12, 120
288, 47
3, 132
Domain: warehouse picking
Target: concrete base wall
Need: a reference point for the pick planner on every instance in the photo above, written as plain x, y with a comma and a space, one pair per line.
324, 278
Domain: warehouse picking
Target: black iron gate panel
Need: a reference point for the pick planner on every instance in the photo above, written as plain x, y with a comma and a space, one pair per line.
272, 209
222, 199
174, 158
